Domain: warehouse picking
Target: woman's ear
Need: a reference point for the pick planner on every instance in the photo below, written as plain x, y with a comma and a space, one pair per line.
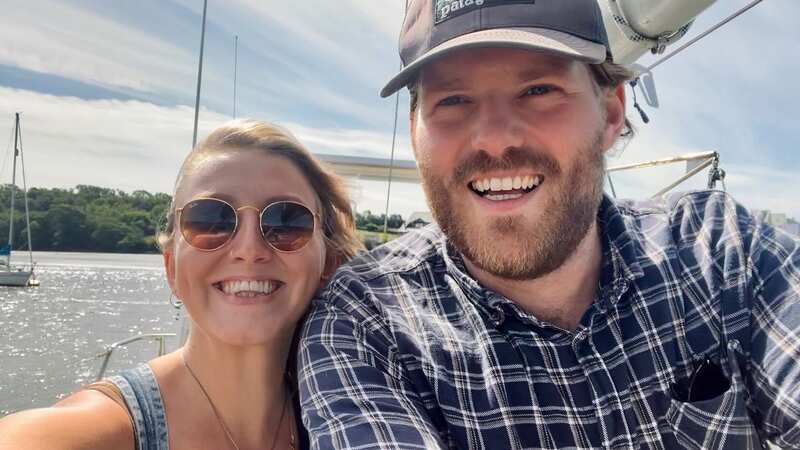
169, 268
331, 263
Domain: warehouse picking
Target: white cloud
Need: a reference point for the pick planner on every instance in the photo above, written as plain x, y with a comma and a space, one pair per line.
120, 144
133, 145
356, 37
56, 38
352, 142
289, 52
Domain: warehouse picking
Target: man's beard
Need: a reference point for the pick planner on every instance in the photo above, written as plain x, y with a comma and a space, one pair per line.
532, 249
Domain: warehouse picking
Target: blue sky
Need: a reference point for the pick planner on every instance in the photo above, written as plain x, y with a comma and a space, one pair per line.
107, 91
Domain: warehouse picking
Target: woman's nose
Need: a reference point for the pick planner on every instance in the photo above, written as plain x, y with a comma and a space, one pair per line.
248, 244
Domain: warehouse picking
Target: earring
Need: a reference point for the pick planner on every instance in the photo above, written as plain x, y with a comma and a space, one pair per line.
177, 304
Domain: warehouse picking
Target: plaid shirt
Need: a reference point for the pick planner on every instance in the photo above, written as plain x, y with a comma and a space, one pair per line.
404, 349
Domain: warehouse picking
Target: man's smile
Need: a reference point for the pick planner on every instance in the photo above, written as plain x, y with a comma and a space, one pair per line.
508, 187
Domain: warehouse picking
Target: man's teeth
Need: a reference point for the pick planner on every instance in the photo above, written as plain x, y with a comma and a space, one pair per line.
498, 197
507, 183
245, 287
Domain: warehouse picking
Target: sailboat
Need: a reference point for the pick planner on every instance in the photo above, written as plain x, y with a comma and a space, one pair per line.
15, 275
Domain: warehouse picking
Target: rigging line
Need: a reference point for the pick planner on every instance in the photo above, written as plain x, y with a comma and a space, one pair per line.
235, 70
25, 196
391, 163
611, 185
704, 34
8, 149
391, 160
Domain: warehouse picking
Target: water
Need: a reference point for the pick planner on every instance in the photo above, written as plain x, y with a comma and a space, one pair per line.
49, 334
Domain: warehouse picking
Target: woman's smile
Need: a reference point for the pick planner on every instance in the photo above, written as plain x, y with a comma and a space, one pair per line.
248, 291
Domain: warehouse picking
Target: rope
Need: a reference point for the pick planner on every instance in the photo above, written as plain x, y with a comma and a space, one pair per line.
391, 158
25, 196
391, 163
8, 149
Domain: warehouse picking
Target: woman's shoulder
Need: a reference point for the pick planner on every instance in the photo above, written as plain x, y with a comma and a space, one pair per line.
86, 419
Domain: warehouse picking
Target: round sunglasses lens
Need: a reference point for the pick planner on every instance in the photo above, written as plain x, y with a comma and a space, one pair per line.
287, 226
207, 224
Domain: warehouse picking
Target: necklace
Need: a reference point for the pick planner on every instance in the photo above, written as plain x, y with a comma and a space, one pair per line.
222, 422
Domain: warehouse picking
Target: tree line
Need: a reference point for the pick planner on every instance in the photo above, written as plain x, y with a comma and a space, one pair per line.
96, 219
85, 218
374, 222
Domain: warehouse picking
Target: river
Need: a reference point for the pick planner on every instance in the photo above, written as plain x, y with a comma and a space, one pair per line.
86, 301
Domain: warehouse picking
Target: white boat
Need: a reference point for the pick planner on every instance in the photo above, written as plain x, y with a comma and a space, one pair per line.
17, 275
20, 277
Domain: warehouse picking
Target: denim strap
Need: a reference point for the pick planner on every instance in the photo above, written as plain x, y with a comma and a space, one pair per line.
143, 398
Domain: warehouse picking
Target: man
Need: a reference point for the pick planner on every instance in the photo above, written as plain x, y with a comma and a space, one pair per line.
540, 313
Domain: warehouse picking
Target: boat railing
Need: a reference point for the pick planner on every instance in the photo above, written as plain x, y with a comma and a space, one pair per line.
695, 163
106, 355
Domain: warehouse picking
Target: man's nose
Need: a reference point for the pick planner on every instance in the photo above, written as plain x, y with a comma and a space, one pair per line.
497, 127
248, 243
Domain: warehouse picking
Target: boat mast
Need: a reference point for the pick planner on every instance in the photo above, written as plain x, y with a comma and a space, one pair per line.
184, 333
13, 189
199, 74
235, 70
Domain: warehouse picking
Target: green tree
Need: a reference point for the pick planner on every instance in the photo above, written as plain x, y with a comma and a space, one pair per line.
108, 236
67, 227
395, 221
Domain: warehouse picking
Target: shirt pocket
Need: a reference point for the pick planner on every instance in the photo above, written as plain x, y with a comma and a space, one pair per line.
722, 422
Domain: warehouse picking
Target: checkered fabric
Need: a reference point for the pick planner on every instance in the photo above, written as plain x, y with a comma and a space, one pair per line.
404, 349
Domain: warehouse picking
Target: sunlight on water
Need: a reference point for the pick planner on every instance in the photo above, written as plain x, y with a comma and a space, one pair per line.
49, 334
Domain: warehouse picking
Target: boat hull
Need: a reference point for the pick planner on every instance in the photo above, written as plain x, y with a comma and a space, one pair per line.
17, 278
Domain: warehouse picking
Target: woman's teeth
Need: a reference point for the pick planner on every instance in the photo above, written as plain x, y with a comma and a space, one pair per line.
246, 288
489, 185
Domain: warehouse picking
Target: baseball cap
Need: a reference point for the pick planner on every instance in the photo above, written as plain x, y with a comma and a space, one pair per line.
434, 28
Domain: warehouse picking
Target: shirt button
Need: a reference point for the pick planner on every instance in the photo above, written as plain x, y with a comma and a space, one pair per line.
580, 345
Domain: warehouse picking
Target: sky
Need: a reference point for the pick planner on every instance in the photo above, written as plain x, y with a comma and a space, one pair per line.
106, 90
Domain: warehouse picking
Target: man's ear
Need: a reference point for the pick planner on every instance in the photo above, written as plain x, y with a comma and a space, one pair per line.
169, 268
614, 104
412, 123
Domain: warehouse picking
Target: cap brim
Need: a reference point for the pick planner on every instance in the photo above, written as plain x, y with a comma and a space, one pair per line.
537, 39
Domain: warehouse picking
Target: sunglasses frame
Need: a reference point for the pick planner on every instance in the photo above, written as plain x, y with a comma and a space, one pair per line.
179, 213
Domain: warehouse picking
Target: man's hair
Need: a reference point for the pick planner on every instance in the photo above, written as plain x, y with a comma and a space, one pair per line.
605, 76
336, 214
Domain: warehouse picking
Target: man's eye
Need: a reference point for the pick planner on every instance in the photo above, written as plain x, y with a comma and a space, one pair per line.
452, 101
539, 90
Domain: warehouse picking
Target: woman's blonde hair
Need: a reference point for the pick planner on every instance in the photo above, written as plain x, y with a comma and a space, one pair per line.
336, 215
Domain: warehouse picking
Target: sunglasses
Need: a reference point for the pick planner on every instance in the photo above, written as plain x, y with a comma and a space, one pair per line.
210, 223
707, 381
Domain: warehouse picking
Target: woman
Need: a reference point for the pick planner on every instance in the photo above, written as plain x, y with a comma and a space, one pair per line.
255, 227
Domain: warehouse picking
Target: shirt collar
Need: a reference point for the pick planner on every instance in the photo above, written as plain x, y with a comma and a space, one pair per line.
484, 299
620, 252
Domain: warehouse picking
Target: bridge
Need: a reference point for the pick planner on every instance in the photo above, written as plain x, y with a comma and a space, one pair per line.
375, 169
